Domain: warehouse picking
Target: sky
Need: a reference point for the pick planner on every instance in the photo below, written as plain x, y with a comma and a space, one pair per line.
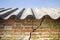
30, 3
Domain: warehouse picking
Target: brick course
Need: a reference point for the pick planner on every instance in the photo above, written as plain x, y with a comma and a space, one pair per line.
21, 28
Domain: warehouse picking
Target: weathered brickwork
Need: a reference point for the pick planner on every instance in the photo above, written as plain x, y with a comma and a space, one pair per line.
16, 29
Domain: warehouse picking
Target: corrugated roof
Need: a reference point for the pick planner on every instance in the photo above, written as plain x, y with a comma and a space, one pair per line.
22, 13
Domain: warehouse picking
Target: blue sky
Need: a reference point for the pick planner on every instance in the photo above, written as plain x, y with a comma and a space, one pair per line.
30, 3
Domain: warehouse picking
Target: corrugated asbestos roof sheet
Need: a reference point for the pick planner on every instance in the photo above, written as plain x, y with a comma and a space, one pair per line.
22, 13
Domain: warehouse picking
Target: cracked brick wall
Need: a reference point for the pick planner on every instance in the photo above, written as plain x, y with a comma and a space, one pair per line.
30, 29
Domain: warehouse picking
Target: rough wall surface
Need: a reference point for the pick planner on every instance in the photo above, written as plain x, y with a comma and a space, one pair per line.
30, 29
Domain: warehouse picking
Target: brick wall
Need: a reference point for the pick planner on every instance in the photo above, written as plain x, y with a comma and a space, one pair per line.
16, 29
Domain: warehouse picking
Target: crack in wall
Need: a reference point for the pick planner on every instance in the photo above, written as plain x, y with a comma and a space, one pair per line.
36, 27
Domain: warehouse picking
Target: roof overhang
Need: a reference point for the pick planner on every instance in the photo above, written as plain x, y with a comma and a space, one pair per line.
22, 13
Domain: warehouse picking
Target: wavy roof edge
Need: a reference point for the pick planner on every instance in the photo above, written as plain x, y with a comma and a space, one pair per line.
22, 13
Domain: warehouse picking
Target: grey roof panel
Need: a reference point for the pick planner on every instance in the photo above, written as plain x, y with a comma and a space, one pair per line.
37, 13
